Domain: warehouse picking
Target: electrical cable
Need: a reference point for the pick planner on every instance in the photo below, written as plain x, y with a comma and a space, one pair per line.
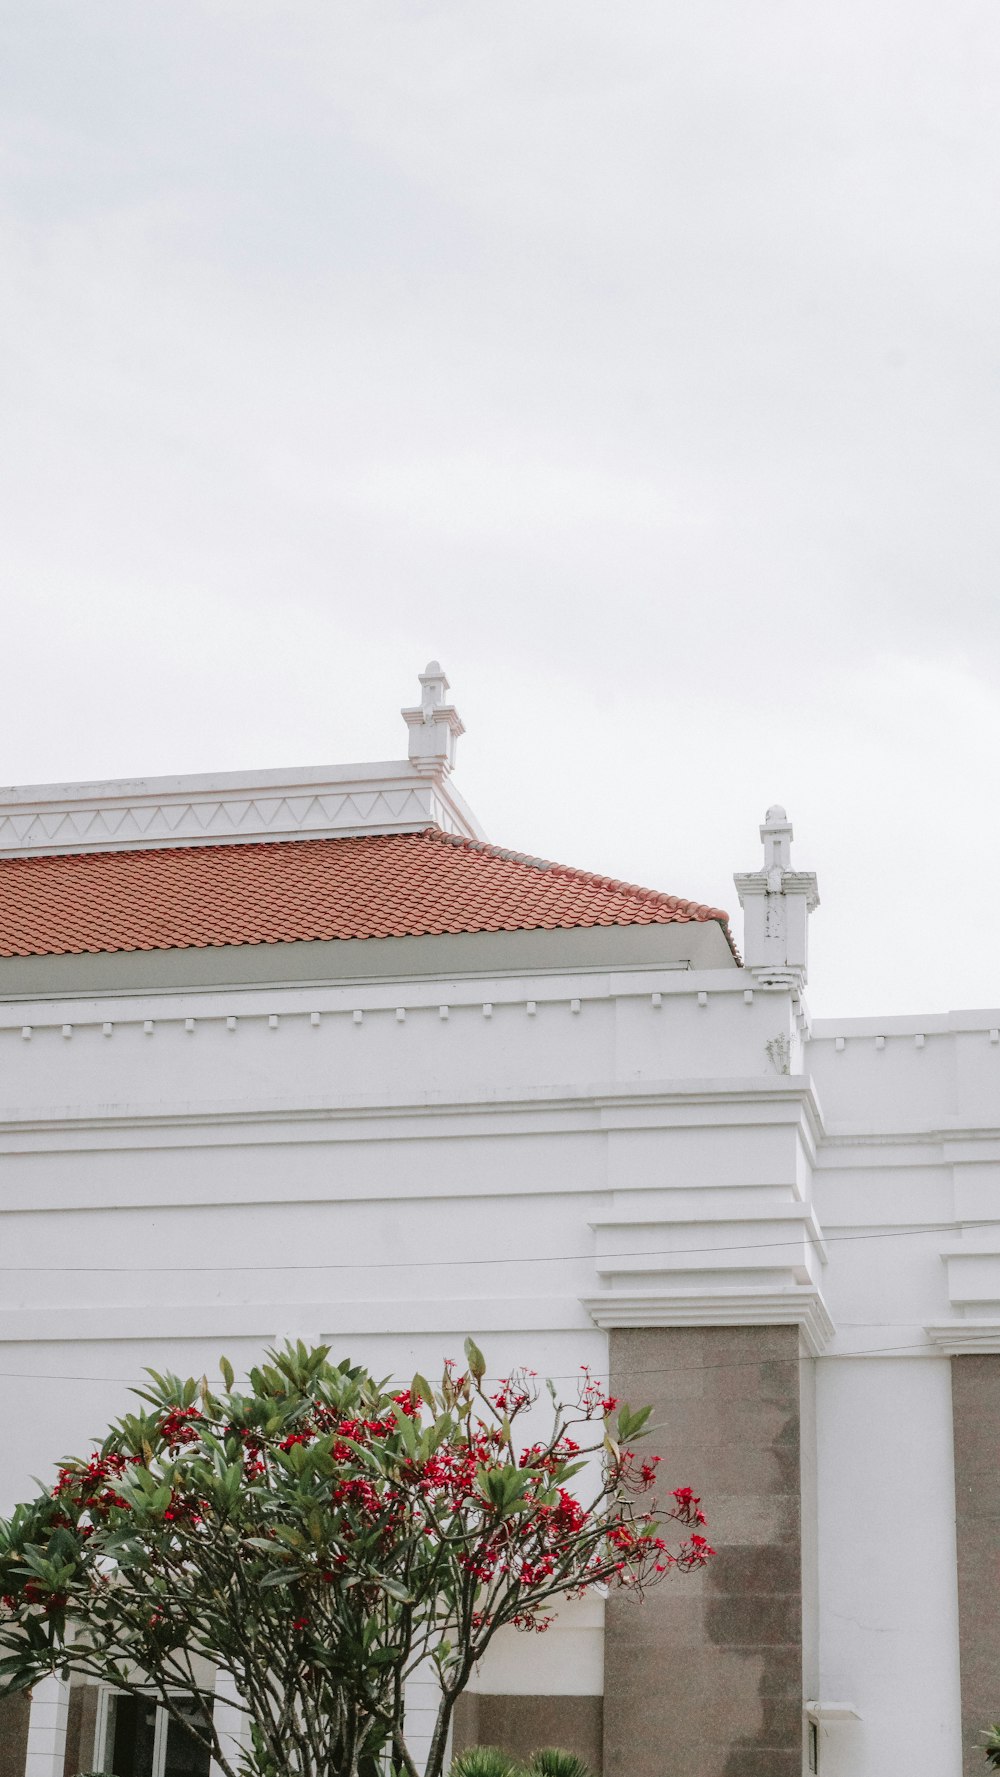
953, 1227
565, 1376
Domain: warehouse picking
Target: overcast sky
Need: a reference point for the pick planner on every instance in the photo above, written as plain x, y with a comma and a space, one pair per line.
640, 361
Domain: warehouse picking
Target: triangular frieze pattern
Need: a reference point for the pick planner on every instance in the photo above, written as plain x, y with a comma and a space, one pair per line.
121, 824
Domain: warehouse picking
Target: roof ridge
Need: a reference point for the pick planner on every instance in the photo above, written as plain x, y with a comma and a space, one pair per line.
573, 873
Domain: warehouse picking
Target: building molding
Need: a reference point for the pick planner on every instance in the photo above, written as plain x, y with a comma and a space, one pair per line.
794, 1305
599, 1108
225, 808
965, 1338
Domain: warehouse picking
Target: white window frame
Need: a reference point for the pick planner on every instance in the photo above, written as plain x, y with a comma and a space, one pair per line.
103, 1751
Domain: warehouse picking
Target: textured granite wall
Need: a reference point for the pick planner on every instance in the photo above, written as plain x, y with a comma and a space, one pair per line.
975, 1396
703, 1677
523, 1724
14, 1713
81, 1728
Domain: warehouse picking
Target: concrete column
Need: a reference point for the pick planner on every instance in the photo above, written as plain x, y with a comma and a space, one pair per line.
47, 1729
704, 1676
975, 1396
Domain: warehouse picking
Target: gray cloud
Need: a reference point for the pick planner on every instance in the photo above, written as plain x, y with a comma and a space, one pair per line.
642, 363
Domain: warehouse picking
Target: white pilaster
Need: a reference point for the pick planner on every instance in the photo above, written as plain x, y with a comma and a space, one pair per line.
230, 1722
423, 1697
47, 1729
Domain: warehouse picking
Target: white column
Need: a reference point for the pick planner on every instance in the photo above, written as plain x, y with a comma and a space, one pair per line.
423, 1696
47, 1729
230, 1722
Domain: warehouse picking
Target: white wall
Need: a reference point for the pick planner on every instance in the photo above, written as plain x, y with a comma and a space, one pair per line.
493, 1174
888, 1594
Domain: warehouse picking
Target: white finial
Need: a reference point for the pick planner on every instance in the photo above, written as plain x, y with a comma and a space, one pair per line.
433, 685
776, 835
434, 725
776, 902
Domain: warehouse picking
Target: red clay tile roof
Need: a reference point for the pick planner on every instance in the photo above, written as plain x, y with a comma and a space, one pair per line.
378, 886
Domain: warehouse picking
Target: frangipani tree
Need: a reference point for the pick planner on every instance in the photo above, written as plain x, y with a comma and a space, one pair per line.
317, 1537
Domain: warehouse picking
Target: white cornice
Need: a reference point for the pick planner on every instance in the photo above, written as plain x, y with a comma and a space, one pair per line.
965, 1338
800, 1306
755, 1212
793, 882
318, 802
604, 1106
911, 1024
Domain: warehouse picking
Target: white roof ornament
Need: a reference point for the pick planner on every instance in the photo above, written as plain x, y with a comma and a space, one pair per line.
248, 807
434, 725
777, 836
433, 685
777, 902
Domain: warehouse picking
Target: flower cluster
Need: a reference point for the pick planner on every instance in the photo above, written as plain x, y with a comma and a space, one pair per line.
90, 1487
180, 1426
592, 1397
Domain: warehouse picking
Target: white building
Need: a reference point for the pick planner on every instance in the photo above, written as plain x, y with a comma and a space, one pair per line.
300, 1052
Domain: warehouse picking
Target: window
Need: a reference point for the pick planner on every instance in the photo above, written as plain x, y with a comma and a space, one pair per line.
137, 1738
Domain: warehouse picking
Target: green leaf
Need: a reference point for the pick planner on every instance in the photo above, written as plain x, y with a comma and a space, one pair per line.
407, 1430
292, 1538
571, 1469
475, 1360
630, 1424
394, 1589
227, 1372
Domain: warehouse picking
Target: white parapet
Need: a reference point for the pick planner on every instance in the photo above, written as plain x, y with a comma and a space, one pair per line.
218, 808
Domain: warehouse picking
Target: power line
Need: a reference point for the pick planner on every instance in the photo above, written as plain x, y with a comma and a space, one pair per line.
676, 1252
566, 1376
